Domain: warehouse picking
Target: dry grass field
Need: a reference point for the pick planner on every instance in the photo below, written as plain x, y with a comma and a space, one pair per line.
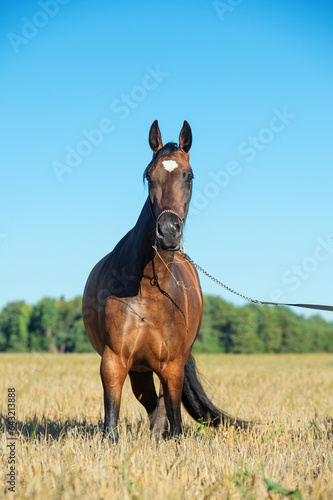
59, 453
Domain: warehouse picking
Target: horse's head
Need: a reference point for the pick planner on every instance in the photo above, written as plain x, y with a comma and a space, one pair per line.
169, 177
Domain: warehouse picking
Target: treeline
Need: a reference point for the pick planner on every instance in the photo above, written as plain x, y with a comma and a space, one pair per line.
49, 326
56, 326
260, 329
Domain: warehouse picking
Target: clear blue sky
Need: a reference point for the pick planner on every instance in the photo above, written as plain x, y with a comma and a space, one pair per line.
255, 81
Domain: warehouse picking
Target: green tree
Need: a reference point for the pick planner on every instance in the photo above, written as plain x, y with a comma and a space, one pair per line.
320, 333
78, 340
245, 338
14, 321
71, 335
68, 313
269, 330
42, 326
217, 326
295, 336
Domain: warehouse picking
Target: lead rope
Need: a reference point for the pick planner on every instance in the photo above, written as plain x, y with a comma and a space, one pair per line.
218, 282
248, 299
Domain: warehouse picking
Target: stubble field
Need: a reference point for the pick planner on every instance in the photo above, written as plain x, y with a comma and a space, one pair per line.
58, 452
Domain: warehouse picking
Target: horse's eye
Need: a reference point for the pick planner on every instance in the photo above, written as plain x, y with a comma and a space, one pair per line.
188, 176
148, 178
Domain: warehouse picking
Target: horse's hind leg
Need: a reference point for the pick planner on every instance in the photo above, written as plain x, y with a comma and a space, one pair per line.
144, 389
159, 420
113, 374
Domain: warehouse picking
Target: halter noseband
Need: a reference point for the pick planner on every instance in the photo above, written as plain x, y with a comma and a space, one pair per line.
167, 211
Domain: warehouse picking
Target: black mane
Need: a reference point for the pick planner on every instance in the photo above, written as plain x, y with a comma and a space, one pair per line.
169, 148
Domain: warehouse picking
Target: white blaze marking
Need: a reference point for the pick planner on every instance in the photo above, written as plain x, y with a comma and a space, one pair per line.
169, 165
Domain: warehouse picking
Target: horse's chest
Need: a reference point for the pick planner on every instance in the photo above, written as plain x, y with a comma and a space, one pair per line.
160, 312
147, 325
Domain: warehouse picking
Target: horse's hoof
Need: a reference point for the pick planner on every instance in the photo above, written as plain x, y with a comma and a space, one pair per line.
110, 436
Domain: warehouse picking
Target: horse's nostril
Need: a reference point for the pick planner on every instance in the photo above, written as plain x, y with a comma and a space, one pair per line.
169, 231
159, 231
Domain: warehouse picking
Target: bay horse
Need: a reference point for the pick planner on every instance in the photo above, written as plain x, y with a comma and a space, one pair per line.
142, 304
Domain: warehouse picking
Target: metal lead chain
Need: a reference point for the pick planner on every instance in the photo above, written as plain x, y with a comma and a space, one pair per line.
218, 282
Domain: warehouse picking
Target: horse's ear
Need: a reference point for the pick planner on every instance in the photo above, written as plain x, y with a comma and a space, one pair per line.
185, 138
155, 139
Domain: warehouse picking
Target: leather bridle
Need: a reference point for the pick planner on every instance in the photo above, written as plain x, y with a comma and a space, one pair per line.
166, 211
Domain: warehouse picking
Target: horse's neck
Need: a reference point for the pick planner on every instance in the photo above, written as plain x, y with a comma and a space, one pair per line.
142, 238
142, 242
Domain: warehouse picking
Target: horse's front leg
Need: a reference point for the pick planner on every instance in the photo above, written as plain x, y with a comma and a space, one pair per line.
113, 374
172, 378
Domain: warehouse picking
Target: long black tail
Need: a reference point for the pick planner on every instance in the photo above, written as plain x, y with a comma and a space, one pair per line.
199, 406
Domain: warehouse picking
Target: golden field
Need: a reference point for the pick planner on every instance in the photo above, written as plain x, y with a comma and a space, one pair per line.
59, 452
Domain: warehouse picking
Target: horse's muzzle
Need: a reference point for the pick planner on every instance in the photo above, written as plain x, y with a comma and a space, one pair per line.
169, 232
